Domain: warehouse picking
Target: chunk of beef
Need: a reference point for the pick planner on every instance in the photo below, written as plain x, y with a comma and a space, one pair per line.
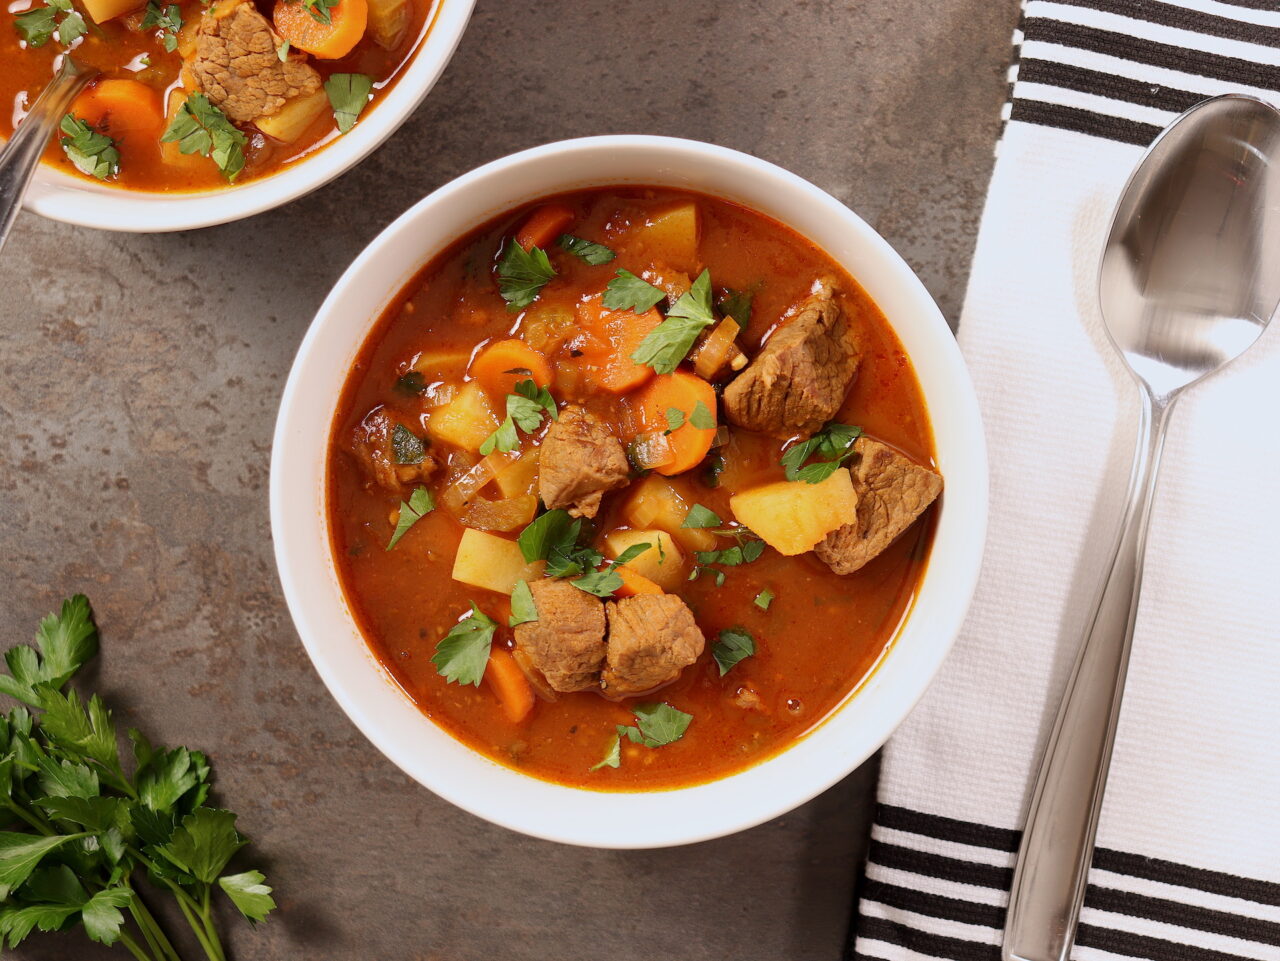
652, 638
237, 68
581, 459
373, 445
892, 492
801, 376
566, 643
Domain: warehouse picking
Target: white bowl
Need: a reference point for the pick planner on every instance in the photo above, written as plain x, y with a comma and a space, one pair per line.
470, 780
75, 200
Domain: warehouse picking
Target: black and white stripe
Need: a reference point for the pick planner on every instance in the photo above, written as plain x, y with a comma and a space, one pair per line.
937, 887
1122, 69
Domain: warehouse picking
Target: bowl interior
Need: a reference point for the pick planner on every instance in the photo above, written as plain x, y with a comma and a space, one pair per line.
427, 753
61, 196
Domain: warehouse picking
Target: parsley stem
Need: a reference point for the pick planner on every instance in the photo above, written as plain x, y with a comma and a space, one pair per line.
29, 817
151, 929
134, 948
201, 923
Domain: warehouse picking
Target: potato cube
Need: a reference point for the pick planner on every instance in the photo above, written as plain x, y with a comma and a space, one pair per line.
656, 503
466, 420
664, 567
670, 236
492, 562
793, 516
103, 10
292, 120
389, 22
518, 476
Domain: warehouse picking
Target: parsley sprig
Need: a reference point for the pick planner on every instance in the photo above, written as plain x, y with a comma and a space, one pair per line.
748, 548
319, 10
419, 505
586, 250
522, 274
525, 409
733, 645
833, 445
201, 128
94, 826
628, 292
167, 18
664, 347
554, 537
58, 19
463, 653
606, 581
92, 152
349, 93
657, 725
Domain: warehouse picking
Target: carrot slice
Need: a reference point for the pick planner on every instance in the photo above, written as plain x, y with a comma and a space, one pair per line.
505, 362
513, 689
328, 41
612, 337
544, 225
633, 583
121, 108
680, 391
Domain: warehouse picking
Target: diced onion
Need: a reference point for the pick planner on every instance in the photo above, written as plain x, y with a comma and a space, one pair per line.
545, 327
651, 449
501, 515
717, 349
438, 394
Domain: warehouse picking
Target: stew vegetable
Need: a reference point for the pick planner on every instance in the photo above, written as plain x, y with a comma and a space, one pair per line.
631, 488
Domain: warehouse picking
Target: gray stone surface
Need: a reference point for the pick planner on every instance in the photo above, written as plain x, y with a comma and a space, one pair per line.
140, 382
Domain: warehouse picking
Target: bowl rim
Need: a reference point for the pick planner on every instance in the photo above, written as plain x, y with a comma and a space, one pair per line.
828, 752
57, 195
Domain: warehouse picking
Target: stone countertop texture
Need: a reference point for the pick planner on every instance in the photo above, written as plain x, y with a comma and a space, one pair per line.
140, 381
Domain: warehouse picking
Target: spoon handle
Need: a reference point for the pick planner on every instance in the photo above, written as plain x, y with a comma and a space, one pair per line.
1057, 842
21, 155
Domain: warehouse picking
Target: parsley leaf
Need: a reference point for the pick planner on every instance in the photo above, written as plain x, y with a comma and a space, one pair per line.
747, 549
522, 274
588, 250
664, 347
523, 609
700, 516
168, 19
524, 410
201, 128
248, 894
319, 10
605, 582
463, 653
656, 725
737, 304
553, 531
349, 93
411, 384
101, 914
420, 504
282, 51
715, 467
764, 599
613, 756
57, 19
702, 418
628, 292
732, 646
675, 419
65, 641
833, 445
20, 853
203, 843
92, 152
407, 446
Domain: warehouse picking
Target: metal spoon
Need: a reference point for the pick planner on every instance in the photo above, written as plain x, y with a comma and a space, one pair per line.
1190, 278
20, 156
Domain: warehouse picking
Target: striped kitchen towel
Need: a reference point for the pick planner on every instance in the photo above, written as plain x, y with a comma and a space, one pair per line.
1188, 858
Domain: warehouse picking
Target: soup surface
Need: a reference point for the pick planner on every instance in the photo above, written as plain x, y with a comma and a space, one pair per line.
729, 632
196, 95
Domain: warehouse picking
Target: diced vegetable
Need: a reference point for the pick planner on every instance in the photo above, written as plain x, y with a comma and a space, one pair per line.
670, 236
633, 584
520, 475
612, 337
445, 364
121, 108
502, 364
328, 40
389, 22
544, 225
662, 563
655, 503
792, 516
718, 351
545, 327
507, 514
466, 420
169, 150
491, 562
650, 450
514, 692
292, 120
695, 399
103, 10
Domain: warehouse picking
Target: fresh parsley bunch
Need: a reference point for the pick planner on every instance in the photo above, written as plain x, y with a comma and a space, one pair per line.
86, 826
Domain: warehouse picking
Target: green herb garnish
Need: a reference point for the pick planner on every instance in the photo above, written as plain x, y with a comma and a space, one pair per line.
628, 292
407, 446
701, 417
93, 153
319, 10
715, 467
201, 128
411, 384
747, 549
59, 19
588, 250
605, 582
700, 516
731, 647
675, 419
664, 347
282, 51
168, 19
463, 653
555, 530
656, 725
613, 756
524, 410
523, 610
833, 445
522, 274
737, 304
764, 599
419, 505
349, 93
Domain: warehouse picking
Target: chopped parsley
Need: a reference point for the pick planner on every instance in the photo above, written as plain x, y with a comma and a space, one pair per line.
606, 581
419, 505
628, 292
523, 610
59, 19
613, 756
700, 516
675, 419
833, 445
463, 653
737, 304
524, 410
319, 10
702, 418
201, 128
656, 725
168, 19
747, 549
412, 383
407, 446
522, 274
587, 250
664, 347
545, 535
282, 51
92, 152
764, 599
732, 646
349, 93
715, 467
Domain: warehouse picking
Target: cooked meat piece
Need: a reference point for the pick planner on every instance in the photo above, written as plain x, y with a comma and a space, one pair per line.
652, 638
373, 444
800, 378
581, 459
566, 643
237, 67
892, 492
